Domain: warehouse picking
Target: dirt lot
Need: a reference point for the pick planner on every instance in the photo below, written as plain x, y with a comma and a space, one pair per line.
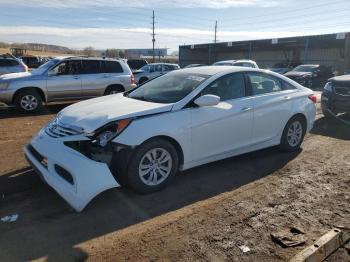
206, 214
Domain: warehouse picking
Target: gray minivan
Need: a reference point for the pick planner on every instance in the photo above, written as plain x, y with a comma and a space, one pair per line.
69, 78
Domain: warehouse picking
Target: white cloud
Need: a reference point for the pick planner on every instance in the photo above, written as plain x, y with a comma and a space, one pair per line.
137, 37
217, 4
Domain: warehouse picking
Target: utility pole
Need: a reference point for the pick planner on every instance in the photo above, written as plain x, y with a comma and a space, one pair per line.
153, 35
216, 30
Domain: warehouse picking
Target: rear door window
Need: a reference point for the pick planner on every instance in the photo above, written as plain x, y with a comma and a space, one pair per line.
8, 62
263, 83
111, 67
91, 67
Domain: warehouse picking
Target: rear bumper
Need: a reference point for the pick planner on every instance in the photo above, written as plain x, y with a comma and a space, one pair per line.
76, 178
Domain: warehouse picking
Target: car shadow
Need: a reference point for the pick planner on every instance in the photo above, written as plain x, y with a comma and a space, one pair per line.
42, 211
331, 128
12, 112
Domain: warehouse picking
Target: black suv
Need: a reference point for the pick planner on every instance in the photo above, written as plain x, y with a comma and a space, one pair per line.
311, 76
336, 96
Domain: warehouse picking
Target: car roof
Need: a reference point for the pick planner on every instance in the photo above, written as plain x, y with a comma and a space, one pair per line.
226, 61
161, 64
213, 70
314, 65
245, 60
87, 58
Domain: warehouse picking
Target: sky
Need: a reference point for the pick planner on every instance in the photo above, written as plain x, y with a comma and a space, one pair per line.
127, 24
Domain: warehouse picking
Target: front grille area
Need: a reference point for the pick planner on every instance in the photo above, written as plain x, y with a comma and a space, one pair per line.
56, 130
343, 91
41, 159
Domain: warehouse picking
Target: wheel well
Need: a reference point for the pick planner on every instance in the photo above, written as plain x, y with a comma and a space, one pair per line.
302, 116
175, 144
37, 89
117, 86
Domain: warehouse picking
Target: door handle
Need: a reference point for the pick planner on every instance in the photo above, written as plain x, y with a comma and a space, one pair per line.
245, 109
287, 97
76, 77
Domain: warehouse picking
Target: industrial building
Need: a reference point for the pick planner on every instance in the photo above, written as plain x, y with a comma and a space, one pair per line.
326, 49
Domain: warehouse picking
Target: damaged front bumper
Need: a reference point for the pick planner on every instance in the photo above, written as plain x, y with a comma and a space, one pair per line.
74, 176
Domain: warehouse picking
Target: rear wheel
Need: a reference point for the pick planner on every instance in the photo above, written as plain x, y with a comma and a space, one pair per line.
28, 101
293, 134
113, 90
152, 166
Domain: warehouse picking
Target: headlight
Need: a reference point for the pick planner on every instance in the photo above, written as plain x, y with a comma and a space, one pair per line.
110, 131
328, 87
4, 85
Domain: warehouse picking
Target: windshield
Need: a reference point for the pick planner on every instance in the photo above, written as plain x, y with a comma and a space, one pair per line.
304, 68
169, 88
41, 69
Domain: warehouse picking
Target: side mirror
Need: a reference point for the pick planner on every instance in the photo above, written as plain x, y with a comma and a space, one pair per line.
207, 100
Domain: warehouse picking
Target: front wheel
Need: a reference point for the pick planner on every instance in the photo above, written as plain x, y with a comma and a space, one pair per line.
28, 101
153, 166
293, 134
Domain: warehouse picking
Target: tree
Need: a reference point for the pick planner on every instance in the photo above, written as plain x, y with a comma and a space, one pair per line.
89, 51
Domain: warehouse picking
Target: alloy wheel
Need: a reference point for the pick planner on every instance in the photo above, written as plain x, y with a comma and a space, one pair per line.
295, 133
29, 102
155, 166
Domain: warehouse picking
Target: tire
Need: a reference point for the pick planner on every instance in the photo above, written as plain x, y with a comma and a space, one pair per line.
142, 80
328, 116
293, 134
140, 178
113, 90
29, 101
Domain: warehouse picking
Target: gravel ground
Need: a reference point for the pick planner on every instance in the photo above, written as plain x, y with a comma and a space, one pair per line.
206, 214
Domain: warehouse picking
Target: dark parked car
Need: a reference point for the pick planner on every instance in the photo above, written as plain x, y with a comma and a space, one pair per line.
136, 64
283, 68
310, 75
336, 96
31, 61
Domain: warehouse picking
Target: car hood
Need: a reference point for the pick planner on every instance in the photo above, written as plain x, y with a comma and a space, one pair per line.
297, 74
94, 113
13, 76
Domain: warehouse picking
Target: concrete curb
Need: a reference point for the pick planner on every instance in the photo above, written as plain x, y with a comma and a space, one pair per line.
323, 247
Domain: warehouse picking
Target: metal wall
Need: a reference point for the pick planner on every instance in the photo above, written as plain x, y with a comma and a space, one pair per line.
322, 49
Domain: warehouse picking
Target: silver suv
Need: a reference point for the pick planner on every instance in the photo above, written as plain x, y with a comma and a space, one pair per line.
67, 78
11, 65
150, 71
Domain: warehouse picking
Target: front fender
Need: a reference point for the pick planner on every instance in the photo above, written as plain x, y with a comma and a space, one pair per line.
174, 124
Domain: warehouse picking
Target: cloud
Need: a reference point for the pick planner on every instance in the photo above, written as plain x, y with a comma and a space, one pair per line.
217, 4
137, 37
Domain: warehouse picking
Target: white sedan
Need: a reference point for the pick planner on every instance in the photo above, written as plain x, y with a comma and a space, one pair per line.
183, 119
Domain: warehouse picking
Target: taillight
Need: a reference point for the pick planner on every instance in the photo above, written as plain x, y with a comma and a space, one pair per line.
313, 98
132, 79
